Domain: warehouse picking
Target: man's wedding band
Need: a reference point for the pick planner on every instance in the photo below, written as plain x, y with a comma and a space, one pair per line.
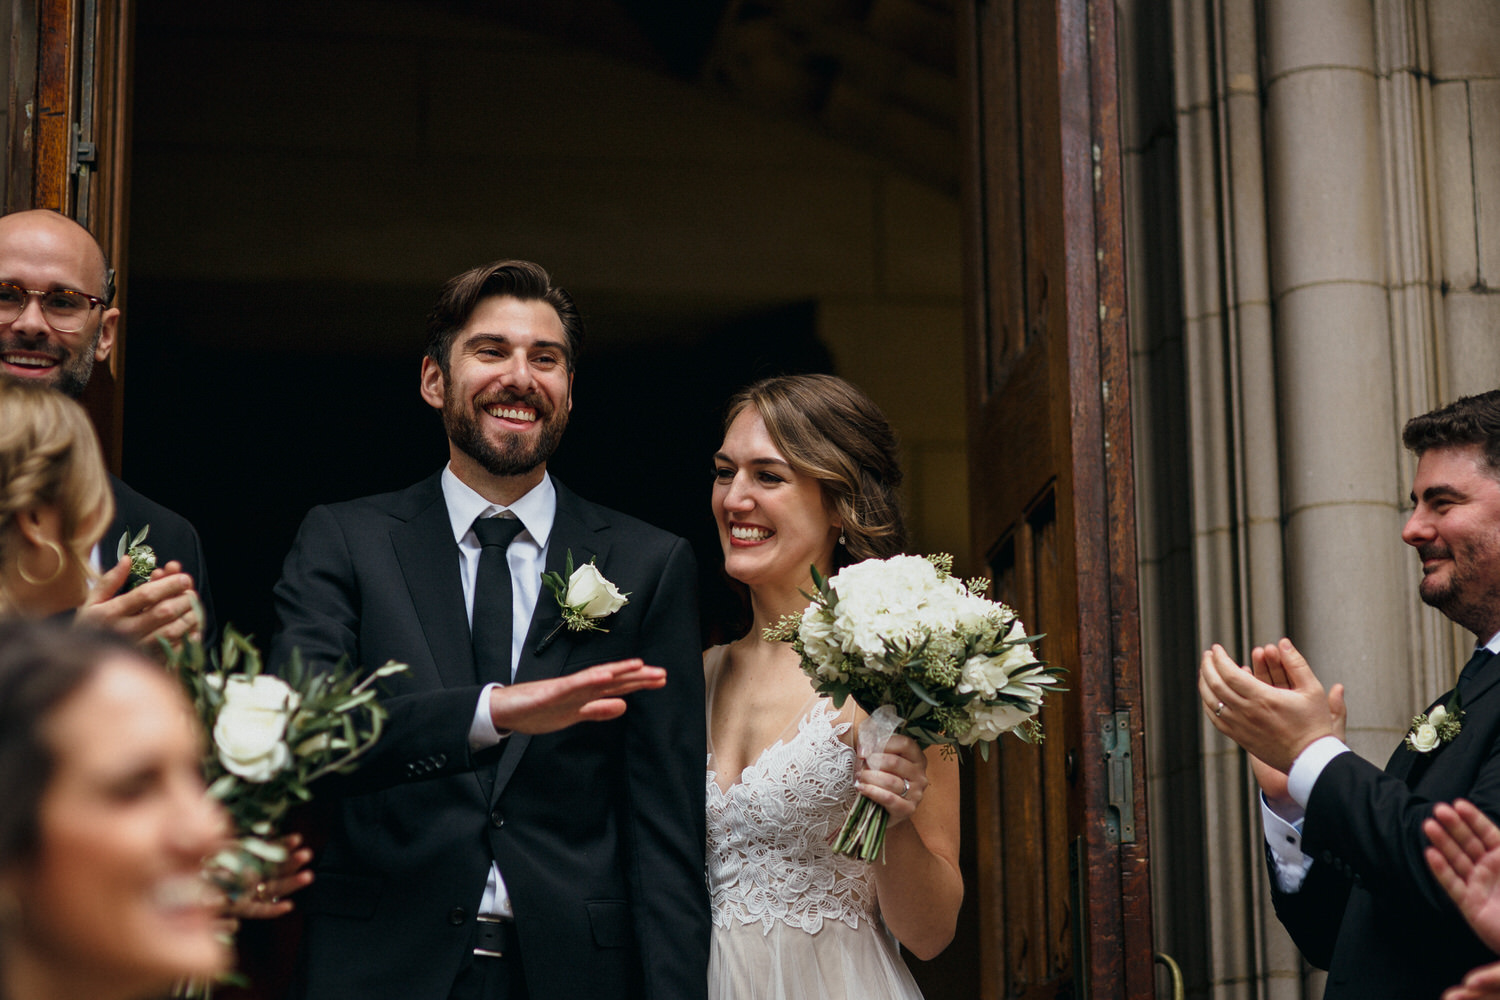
906, 787
1219, 709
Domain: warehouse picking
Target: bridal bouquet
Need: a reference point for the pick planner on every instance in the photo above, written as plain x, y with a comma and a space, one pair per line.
270, 738
924, 654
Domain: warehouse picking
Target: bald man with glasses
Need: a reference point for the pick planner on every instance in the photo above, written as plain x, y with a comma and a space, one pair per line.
56, 323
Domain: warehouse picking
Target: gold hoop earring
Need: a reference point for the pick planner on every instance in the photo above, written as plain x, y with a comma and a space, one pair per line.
61, 561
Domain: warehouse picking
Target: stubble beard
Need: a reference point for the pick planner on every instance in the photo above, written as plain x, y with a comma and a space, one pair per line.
515, 455
1462, 597
72, 374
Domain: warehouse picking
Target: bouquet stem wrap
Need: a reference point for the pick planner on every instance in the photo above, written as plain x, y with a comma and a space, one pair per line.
863, 833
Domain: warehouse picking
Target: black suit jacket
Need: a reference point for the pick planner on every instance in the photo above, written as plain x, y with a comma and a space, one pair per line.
171, 537
598, 829
1371, 912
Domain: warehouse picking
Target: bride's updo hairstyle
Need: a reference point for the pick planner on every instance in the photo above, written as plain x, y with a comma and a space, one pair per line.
829, 430
49, 456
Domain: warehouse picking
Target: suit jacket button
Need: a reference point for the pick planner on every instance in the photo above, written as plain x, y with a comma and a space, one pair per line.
457, 916
440, 759
497, 820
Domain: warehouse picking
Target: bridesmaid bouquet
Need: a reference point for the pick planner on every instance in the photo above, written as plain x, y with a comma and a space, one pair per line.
924, 654
270, 739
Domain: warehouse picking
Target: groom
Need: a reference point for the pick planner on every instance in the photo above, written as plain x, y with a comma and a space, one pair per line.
531, 824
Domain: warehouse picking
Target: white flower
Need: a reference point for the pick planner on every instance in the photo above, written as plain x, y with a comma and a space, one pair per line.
1424, 738
1437, 715
990, 722
251, 728
591, 595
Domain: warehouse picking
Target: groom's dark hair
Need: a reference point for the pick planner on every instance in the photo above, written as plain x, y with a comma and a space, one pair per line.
519, 278
1468, 420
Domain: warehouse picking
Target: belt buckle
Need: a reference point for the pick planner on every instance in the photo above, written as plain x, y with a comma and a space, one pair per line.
492, 936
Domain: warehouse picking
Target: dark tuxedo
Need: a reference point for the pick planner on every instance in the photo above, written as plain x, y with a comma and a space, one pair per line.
1370, 911
598, 829
171, 537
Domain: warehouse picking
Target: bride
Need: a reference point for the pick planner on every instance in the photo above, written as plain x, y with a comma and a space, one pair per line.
807, 475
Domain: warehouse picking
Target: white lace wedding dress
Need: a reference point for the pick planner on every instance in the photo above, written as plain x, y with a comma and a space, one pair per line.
792, 920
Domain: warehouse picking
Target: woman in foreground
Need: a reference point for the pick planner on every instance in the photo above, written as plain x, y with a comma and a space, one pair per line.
104, 823
807, 476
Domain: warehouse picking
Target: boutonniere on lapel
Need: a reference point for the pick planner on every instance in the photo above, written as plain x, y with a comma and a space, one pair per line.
585, 597
142, 556
1436, 728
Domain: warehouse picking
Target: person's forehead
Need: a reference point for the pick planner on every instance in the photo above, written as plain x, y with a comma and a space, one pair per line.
43, 250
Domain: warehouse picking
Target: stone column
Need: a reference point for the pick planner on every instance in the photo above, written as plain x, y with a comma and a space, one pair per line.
1346, 571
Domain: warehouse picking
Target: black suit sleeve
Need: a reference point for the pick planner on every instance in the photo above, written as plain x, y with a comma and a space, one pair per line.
666, 746
1312, 914
321, 603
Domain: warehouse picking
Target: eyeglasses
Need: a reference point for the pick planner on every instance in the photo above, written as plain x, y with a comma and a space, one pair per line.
65, 309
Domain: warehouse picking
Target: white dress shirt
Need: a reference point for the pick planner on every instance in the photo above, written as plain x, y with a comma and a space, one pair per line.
1283, 830
527, 558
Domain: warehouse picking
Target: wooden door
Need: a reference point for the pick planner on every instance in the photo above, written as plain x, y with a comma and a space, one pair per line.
1060, 829
67, 142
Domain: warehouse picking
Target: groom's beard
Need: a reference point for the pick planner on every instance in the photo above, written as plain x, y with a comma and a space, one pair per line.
513, 454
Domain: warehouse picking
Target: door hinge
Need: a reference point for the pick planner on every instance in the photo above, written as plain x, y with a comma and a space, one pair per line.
84, 153
1120, 818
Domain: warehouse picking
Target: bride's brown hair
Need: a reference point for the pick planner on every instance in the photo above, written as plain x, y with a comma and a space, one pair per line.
829, 430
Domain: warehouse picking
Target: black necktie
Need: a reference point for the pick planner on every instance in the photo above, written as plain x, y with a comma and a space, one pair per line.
492, 599
1471, 669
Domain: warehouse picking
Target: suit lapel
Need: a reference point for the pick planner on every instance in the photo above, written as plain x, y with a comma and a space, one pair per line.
429, 563
574, 529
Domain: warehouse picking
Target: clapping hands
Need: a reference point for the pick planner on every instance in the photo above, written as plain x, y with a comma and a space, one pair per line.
161, 608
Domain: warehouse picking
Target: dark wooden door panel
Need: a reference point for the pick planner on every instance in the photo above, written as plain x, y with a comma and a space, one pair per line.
1060, 848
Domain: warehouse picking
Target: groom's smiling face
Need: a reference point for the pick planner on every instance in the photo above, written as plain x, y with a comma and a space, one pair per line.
507, 391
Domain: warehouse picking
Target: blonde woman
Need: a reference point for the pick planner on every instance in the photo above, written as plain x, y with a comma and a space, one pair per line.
55, 502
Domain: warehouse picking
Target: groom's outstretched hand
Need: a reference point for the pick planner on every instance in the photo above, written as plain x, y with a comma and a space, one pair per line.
591, 695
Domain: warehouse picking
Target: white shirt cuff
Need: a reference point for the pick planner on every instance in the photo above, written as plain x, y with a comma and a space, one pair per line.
482, 731
1309, 765
1289, 865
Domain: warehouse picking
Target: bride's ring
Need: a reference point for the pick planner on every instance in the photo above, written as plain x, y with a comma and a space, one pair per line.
905, 787
1219, 709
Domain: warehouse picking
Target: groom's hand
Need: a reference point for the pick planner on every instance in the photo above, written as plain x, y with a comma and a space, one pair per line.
1274, 721
591, 695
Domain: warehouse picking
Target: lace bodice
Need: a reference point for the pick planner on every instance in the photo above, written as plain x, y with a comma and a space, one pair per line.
768, 853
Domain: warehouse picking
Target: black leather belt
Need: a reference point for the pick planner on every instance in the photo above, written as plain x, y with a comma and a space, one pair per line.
494, 937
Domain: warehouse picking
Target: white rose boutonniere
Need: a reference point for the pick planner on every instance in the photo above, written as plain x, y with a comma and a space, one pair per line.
1435, 728
250, 732
585, 596
142, 556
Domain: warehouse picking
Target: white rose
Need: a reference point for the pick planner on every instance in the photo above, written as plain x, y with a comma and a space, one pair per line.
1424, 737
993, 721
984, 674
251, 728
1437, 715
591, 594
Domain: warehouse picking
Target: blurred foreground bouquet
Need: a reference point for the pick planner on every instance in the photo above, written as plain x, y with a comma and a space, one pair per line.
924, 654
271, 737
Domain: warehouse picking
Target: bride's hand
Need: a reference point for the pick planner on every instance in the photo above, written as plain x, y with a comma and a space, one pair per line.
895, 779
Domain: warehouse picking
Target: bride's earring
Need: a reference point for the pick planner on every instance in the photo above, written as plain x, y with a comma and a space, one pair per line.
843, 541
